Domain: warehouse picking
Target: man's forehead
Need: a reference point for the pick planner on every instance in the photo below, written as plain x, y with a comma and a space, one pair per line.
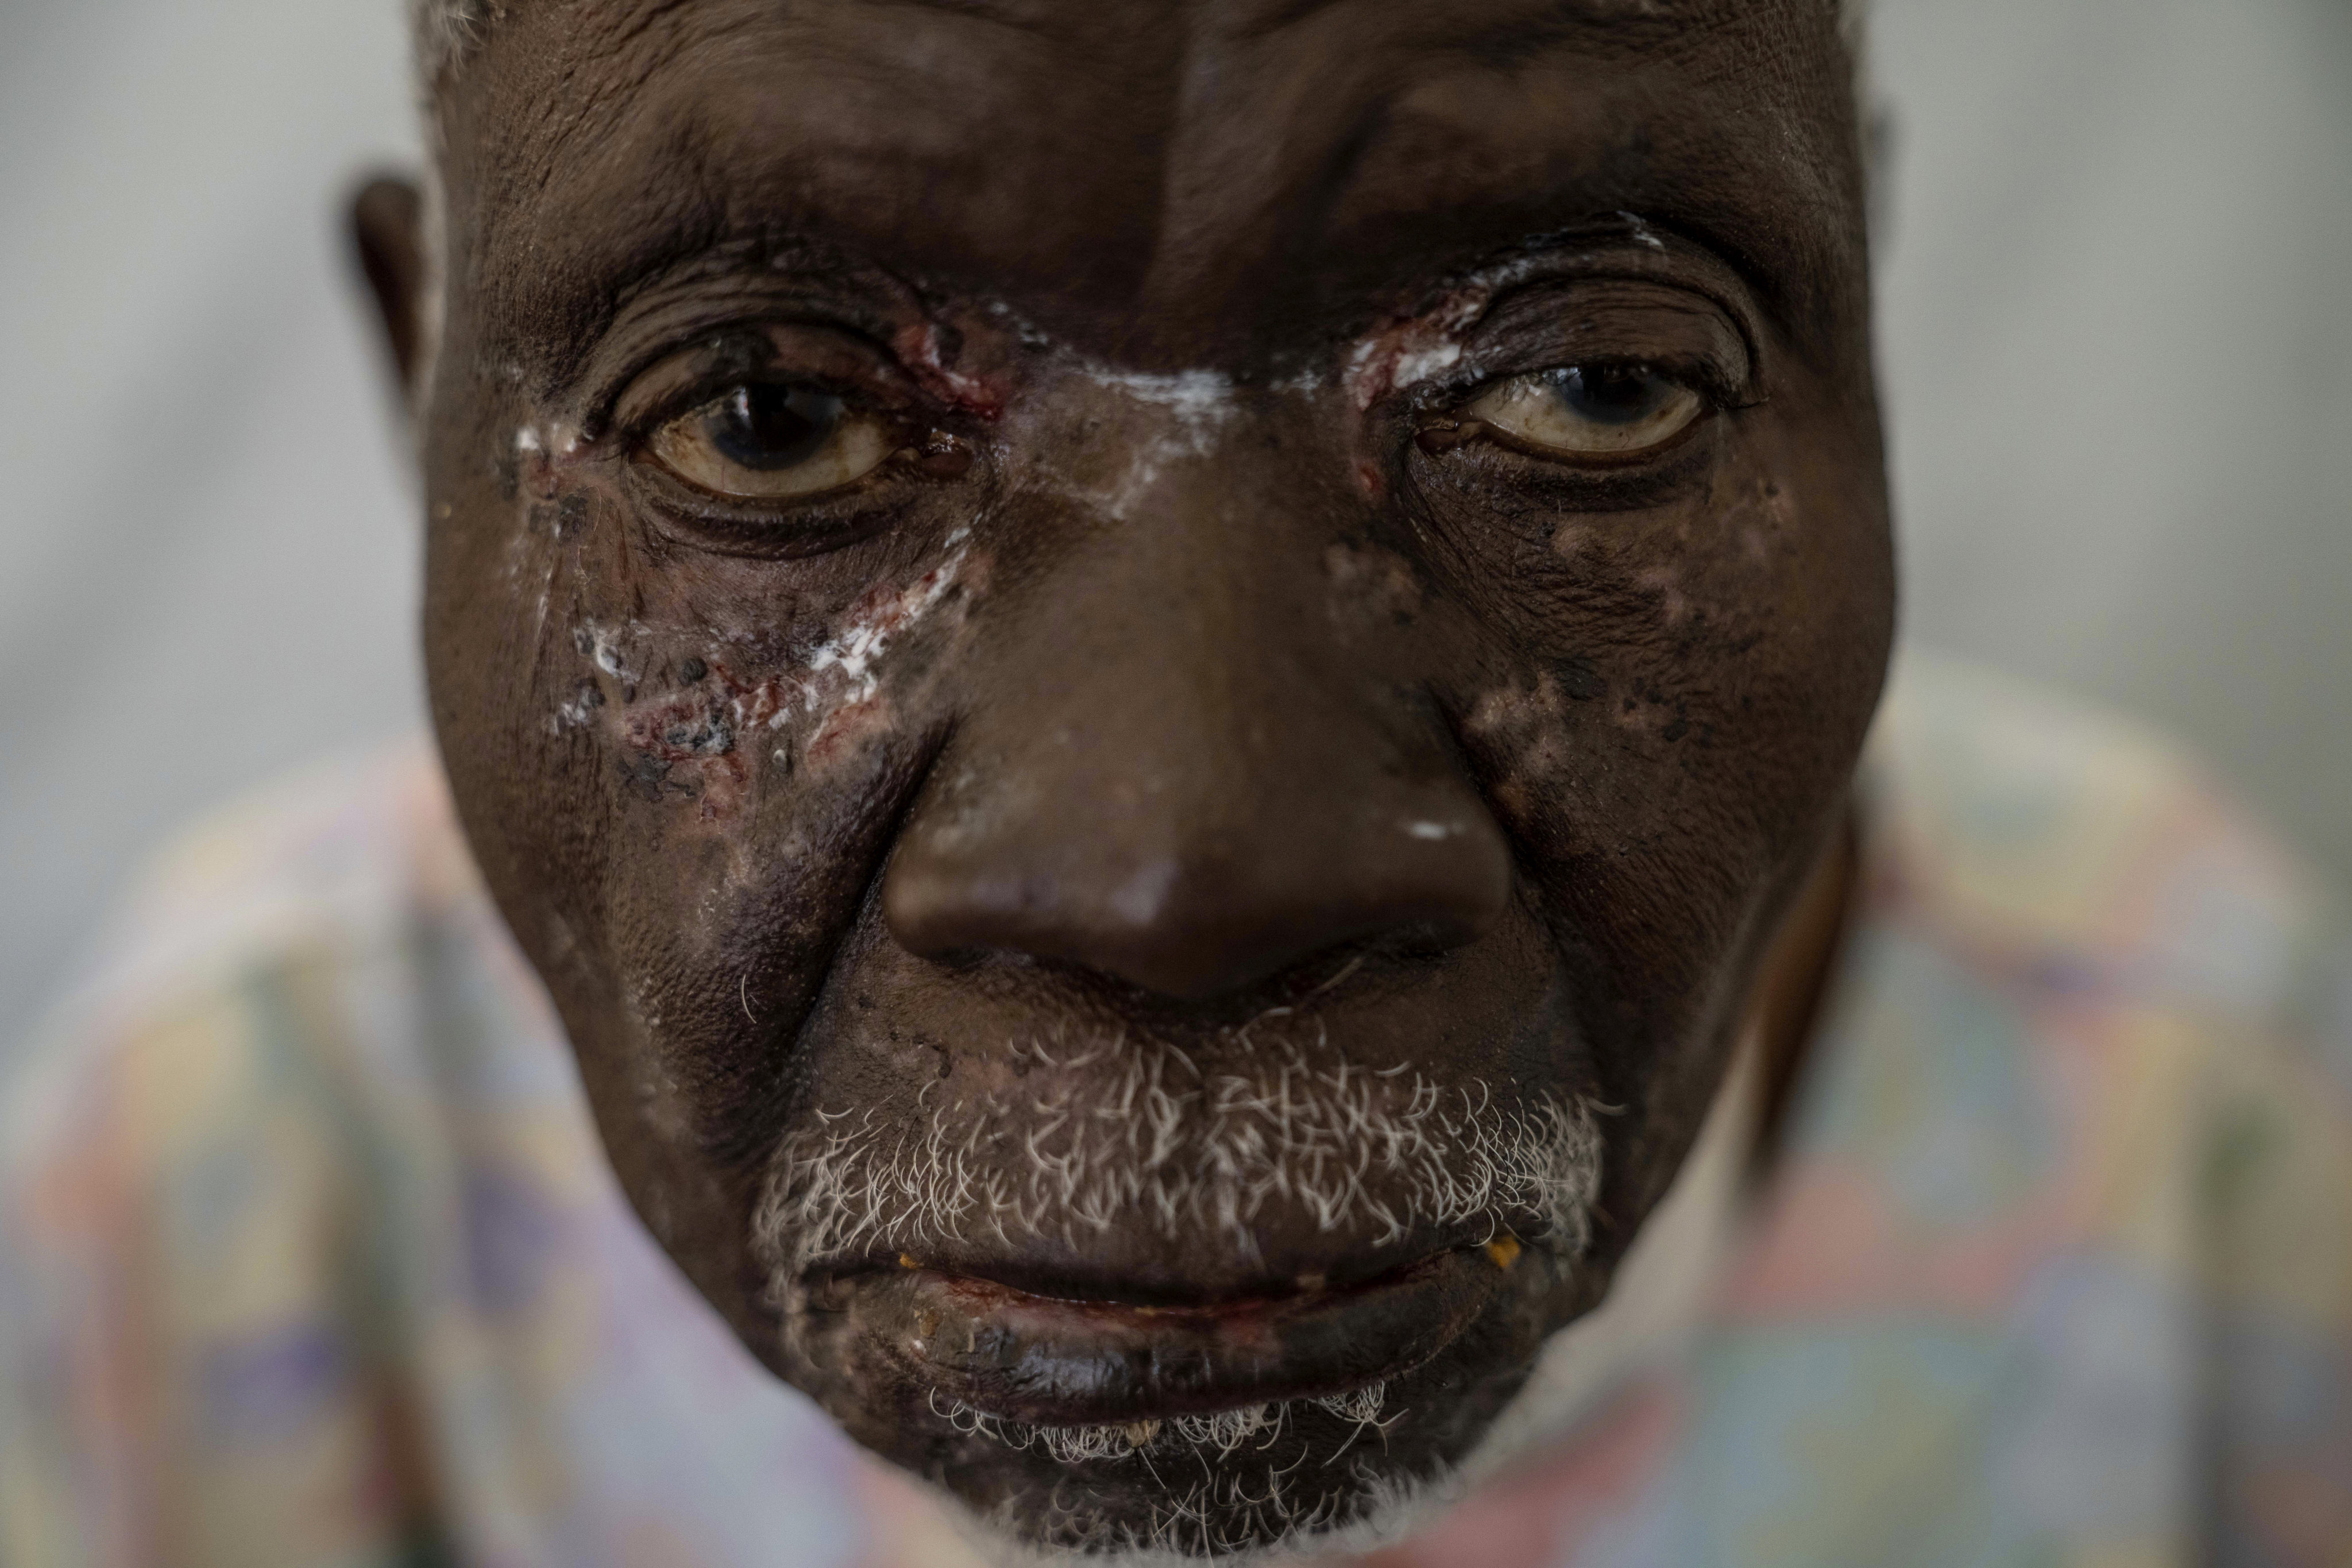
1201, 161
448, 30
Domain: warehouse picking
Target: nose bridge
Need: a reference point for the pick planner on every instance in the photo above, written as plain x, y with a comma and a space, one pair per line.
1173, 768
1199, 597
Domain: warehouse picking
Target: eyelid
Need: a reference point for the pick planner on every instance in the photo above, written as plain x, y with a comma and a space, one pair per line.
803, 353
1683, 334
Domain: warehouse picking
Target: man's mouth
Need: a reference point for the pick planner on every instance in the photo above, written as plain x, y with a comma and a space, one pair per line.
996, 1353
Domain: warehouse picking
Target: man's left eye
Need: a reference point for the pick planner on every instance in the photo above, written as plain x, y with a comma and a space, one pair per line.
1601, 412
773, 440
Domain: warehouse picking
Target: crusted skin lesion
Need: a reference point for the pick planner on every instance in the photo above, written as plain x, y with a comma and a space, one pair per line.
705, 736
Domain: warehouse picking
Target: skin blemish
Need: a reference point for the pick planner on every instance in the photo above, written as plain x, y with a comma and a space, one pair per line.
1415, 349
579, 708
882, 615
1162, 420
681, 728
1371, 588
1765, 517
928, 351
1419, 363
1673, 608
1640, 231
538, 458
601, 646
1201, 399
843, 728
688, 730
1530, 733
689, 741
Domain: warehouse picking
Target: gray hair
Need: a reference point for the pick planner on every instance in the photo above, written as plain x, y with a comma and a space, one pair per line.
445, 31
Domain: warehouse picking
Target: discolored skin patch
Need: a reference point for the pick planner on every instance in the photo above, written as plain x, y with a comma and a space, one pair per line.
1193, 675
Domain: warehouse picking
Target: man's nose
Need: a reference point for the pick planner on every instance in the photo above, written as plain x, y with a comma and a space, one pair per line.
1185, 762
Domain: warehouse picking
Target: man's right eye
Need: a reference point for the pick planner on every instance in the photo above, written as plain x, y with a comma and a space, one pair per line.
773, 440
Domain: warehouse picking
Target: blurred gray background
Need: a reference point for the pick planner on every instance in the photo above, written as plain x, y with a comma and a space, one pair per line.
2116, 252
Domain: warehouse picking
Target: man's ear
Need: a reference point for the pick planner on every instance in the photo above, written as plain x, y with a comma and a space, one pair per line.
388, 229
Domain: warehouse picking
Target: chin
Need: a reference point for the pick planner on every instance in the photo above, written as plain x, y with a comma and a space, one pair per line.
1269, 1481
1249, 1321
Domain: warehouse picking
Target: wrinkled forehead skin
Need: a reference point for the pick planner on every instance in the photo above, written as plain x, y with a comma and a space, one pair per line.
1196, 184
1213, 836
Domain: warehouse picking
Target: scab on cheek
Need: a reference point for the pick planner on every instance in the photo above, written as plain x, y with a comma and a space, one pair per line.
702, 739
848, 727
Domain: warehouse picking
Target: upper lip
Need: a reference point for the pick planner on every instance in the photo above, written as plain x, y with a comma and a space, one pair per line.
1018, 1355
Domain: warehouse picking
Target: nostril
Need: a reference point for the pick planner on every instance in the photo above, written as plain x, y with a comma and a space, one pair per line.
1193, 927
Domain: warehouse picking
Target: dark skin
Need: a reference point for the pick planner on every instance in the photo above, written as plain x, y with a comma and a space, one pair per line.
1181, 530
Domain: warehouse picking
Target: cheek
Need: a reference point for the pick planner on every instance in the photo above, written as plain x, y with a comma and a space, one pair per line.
1535, 751
1679, 698
613, 696
1372, 591
702, 702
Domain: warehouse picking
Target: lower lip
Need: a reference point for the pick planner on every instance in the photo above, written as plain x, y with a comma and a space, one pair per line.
1021, 1357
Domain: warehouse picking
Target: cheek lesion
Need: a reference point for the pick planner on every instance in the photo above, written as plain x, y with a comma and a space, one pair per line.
1531, 735
708, 712
692, 742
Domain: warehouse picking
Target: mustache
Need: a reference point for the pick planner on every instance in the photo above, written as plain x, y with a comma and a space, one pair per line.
1125, 1134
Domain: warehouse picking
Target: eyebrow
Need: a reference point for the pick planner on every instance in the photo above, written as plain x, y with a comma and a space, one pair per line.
740, 188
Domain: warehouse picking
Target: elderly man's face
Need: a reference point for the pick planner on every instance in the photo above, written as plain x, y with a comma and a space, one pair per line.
1146, 676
